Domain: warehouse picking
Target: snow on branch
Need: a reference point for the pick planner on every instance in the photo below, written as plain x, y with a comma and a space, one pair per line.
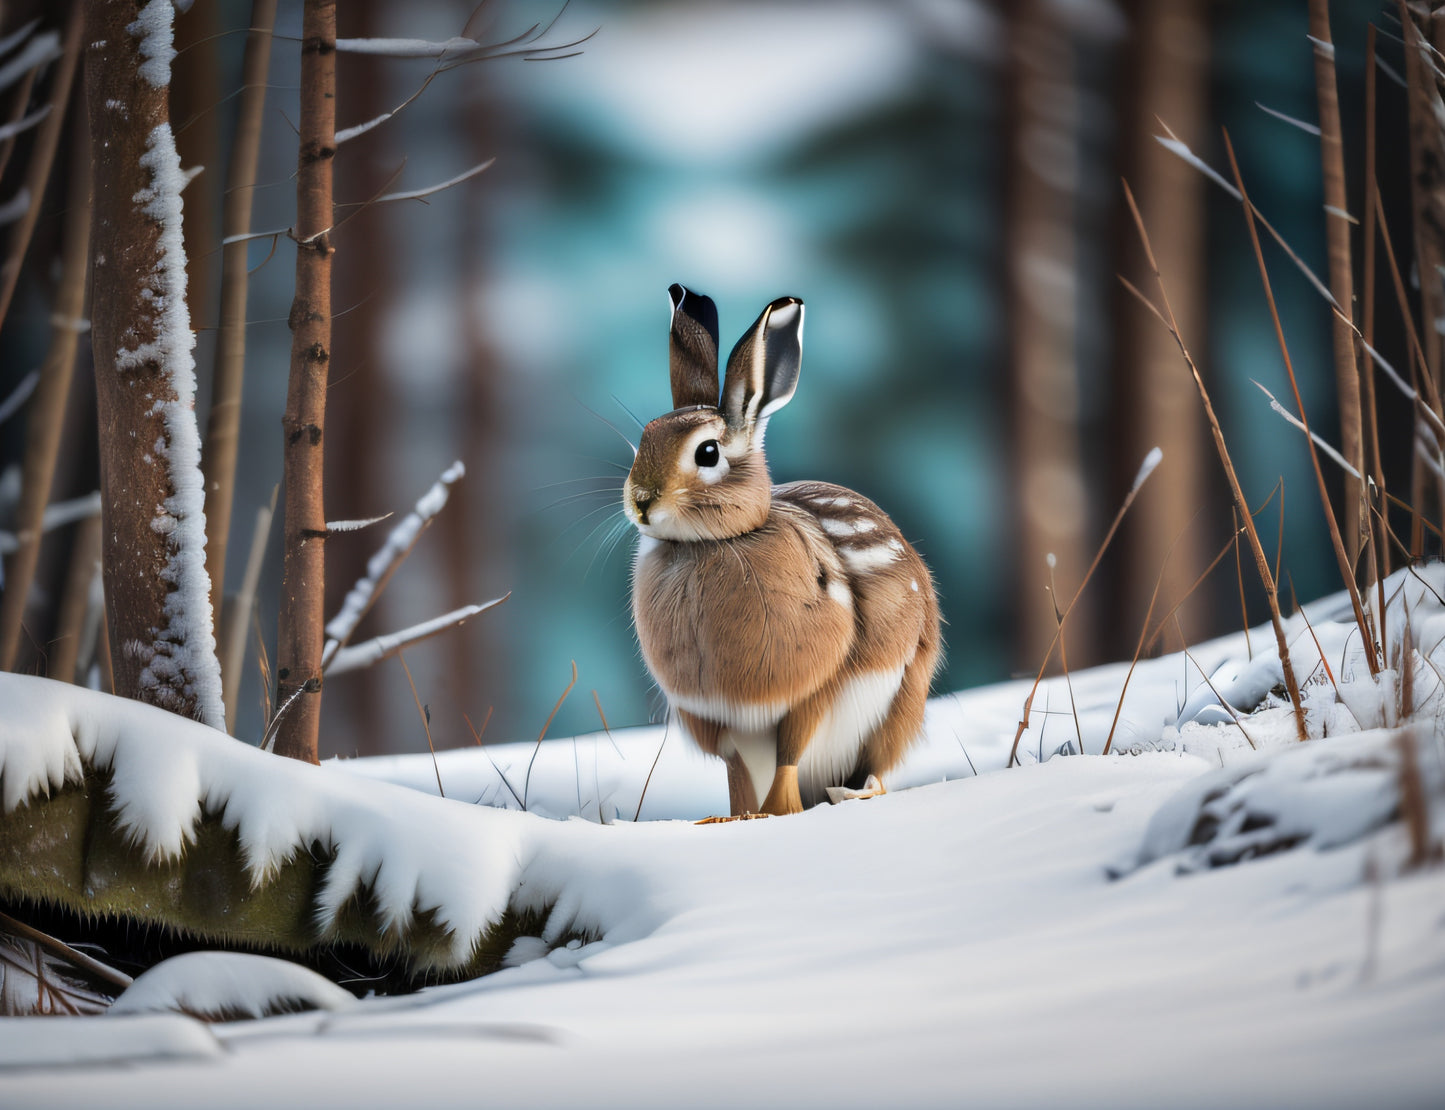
17, 36
36, 52
382, 565
12, 209
409, 48
57, 515
421, 194
1173, 144
25, 123
19, 395
354, 525
1298, 423
381, 647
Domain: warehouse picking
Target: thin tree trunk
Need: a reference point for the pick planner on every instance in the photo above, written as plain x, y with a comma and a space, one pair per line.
1051, 497
303, 595
1168, 67
218, 458
153, 520
46, 416
42, 157
1337, 236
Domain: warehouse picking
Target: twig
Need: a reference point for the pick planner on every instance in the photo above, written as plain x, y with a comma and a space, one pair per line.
42, 155
527, 783
90, 963
1139, 647
1147, 468
373, 651
45, 419
648, 781
382, 565
425, 720
477, 736
1342, 557
239, 623
1268, 580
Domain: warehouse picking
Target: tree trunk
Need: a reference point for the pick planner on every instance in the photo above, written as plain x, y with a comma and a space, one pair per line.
303, 595
157, 599
1166, 71
1042, 164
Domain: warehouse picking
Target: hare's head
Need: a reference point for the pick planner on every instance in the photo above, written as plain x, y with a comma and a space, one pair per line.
700, 473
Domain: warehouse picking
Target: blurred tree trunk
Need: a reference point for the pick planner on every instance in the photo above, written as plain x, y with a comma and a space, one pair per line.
364, 453
163, 649
476, 535
1050, 496
303, 588
1166, 65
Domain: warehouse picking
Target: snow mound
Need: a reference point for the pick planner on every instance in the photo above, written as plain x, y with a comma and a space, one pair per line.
1324, 795
388, 847
225, 986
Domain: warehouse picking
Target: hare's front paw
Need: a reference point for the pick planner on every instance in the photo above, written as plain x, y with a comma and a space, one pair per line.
783, 797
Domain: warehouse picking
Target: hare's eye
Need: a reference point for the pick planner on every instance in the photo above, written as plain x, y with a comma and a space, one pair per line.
707, 453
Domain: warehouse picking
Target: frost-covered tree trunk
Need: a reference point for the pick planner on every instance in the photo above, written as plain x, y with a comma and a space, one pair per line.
157, 594
302, 618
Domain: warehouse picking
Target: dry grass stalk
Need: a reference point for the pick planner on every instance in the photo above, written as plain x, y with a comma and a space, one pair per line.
20, 101
1299, 713
42, 155
527, 783
218, 456
477, 736
425, 714
1346, 567
648, 781
1378, 566
46, 416
301, 629
1267, 579
1239, 577
1337, 238
1205, 573
1138, 648
241, 613
75, 601
1062, 619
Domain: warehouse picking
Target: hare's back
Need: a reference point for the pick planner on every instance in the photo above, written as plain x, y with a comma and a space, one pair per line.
892, 592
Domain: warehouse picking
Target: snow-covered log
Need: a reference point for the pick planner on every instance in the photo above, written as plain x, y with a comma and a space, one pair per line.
111, 808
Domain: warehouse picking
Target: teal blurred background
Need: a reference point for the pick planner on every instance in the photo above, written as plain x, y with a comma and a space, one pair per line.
883, 161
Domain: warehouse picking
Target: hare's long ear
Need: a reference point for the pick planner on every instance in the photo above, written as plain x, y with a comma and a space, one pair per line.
692, 348
763, 368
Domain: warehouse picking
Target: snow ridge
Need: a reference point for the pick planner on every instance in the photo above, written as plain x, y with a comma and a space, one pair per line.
405, 851
183, 655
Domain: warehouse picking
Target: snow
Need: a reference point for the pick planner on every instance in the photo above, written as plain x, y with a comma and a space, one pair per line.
1064, 933
184, 652
37, 51
379, 567
229, 984
155, 30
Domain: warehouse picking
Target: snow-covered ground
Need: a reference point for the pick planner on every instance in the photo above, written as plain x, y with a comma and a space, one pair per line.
1071, 932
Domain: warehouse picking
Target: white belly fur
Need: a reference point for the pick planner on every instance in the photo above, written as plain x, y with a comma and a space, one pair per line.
751, 732
860, 708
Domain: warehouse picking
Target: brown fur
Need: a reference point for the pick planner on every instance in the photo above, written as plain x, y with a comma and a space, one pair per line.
757, 606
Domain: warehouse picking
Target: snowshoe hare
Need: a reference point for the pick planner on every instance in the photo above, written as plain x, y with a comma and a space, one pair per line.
792, 628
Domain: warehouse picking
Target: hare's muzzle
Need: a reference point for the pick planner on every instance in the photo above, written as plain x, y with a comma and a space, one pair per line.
641, 501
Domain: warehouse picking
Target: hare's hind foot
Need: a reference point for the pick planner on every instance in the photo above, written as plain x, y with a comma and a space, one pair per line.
871, 789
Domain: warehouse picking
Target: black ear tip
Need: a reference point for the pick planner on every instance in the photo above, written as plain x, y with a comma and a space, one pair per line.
676, 293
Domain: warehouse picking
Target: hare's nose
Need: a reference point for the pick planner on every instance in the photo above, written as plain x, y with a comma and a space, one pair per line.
642, 498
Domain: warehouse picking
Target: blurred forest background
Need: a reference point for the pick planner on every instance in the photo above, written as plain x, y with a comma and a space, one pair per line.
938, 179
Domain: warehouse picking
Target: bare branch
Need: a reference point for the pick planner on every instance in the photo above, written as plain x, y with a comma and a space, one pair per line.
373, 651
